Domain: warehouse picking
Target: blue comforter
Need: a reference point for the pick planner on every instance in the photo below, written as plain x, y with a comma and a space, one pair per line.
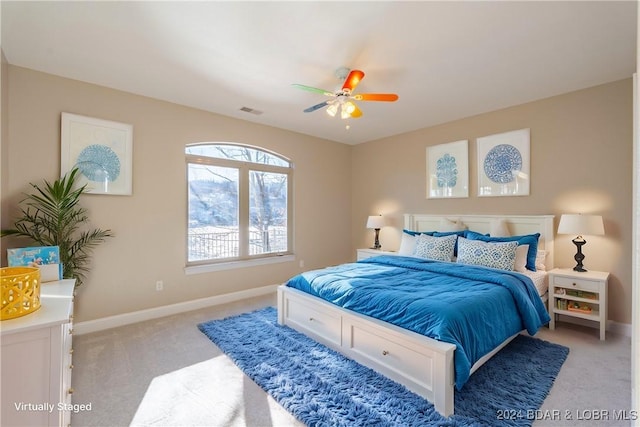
473, 307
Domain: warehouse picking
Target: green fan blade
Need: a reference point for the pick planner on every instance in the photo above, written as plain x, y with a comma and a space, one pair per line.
313, 89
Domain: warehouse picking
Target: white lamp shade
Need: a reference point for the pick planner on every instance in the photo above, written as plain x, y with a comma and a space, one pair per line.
581, 224
375, 221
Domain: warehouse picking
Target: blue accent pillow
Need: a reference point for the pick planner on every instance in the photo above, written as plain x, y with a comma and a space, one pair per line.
527, 239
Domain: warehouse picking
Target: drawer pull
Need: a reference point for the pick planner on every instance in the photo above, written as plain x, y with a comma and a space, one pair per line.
70, 390
385, 352
574, 284
311, 319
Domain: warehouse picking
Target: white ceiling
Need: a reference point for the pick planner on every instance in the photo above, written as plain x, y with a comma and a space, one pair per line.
446, 60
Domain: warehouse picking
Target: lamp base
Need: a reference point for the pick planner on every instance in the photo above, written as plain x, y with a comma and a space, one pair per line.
376, 243
579, 256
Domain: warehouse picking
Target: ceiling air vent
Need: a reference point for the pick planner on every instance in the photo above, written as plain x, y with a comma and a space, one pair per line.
251, 111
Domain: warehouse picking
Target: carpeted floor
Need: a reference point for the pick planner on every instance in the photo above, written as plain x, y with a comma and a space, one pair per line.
127, 370
321, 387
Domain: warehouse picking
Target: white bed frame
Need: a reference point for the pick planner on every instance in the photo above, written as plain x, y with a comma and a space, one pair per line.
423, 365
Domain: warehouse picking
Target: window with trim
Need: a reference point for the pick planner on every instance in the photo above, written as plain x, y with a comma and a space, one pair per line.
239, 203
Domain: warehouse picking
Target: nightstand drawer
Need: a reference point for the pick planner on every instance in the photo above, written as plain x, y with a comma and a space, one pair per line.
582, 284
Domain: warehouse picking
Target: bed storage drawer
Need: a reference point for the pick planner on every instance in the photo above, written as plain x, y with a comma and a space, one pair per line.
312, 319
397, 356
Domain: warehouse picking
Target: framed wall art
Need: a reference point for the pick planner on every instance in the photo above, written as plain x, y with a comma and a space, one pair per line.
448, 170
503, 164
101, 150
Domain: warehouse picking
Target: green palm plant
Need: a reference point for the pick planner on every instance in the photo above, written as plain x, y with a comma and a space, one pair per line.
52, 216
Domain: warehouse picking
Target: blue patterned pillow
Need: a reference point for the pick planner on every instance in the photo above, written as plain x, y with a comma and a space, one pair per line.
435, 248
500, 255
526, 239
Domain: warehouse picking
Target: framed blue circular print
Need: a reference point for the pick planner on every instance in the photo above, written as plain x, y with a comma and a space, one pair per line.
99, 163
101, 150
503, 164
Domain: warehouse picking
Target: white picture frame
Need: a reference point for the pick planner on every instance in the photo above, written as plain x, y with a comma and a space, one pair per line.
102, 151
448, 170
503, 164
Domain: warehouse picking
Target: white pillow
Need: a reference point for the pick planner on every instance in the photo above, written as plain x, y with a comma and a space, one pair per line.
449, 225
501, 255
541, 256
407, 244
435, 248
521, 258
498, 228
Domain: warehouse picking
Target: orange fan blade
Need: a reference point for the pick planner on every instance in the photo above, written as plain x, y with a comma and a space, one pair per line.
389, 97
352, 80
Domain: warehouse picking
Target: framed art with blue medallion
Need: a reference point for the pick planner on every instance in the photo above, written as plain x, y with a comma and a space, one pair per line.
448, 170
101, 150
503, 164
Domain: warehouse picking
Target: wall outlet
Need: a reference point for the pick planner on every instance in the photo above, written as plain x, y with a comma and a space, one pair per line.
159, 285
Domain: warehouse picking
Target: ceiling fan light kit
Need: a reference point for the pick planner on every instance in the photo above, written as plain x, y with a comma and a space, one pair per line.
342, 98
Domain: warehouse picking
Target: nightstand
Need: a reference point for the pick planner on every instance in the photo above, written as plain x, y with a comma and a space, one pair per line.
579, 295
368, 253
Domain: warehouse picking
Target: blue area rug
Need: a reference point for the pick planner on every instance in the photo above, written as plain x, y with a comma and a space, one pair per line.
320, 387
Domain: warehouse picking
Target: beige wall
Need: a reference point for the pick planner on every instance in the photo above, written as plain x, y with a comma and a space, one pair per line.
581, 146
150, 225
581, 162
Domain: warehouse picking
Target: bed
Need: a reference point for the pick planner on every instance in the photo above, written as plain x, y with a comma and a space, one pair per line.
390, 335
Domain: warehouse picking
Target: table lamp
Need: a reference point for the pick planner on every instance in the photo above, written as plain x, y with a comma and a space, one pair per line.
580, 225
376, 222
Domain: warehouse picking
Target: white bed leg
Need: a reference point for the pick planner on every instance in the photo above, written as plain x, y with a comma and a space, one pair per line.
443, 384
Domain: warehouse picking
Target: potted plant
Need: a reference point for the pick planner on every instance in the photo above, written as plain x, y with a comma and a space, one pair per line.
52, 216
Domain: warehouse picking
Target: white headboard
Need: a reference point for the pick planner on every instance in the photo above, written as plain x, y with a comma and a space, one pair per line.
517, 224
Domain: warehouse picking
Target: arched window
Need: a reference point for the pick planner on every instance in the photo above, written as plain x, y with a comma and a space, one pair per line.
240, 204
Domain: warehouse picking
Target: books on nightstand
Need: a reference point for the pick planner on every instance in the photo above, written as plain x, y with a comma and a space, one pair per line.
563, 304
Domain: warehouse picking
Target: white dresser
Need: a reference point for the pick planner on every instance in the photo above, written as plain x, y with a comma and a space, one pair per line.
36, 361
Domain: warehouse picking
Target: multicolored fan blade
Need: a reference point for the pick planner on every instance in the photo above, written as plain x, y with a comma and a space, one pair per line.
356, 112
352, 80
389, 97
316, 107
313, 89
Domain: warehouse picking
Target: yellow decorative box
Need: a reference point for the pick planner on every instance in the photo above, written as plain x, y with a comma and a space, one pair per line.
20, 291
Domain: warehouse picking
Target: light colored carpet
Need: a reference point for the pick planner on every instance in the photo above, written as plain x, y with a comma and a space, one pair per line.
139, 372
209, 392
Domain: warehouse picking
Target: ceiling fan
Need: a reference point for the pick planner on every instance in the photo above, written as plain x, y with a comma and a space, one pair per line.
342, 99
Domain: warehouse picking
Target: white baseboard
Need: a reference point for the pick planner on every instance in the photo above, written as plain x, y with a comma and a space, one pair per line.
167, 310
